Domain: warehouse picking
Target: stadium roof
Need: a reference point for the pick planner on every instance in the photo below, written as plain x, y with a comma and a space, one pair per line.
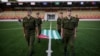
58, 0
44, 0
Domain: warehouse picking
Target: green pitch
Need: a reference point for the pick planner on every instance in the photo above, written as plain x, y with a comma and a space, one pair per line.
12, 41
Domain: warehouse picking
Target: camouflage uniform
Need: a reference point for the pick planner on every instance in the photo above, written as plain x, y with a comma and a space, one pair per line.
59, 20
38, 23
68, 26
29, 30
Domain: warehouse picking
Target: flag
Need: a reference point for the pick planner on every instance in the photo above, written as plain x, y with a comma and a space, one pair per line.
42, 36
52, 34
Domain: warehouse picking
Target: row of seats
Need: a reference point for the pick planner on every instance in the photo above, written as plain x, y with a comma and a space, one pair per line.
21, 14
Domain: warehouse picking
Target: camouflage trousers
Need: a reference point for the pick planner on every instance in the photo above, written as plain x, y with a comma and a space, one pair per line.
30, 38
39, 28
69, 40
59, 31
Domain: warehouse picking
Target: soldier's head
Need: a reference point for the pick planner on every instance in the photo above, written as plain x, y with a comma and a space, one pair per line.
61, 14
37, 14
29, 13
69, 12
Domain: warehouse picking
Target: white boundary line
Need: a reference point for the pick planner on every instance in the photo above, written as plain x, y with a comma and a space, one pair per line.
5, 20
89, 19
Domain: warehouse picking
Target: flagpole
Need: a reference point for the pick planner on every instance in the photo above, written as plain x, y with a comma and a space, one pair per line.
49, 51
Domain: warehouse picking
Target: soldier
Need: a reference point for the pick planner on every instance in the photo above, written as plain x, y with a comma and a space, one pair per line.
68, 32
59, 20
29, 26
38, 22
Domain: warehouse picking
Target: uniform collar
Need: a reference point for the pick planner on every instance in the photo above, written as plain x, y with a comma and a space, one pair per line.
69, 18
28, 17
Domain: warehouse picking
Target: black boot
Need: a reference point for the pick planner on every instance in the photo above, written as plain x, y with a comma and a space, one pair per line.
73, 52
39, 40
65, 52
30, 54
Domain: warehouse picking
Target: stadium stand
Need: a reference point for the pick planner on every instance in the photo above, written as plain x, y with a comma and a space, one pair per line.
84, 14
16, 11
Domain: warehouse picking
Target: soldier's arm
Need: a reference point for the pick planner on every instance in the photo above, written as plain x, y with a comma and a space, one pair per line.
37, 31
41, 20
57, 24
61, 32
75, 30
36, 28
62, 27
76, 26
24, 30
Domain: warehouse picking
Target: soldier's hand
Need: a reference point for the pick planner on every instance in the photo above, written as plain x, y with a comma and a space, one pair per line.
74, 36
75, 33
24, 35
61, 35
37, 35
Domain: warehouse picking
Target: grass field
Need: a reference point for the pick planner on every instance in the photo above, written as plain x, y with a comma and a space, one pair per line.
12, 41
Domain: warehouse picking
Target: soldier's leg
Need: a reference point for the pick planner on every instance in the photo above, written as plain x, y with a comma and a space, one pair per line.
62, 40
27, 38
72, 49
39, 34
65, 48
59, 31
66, 40
31, 44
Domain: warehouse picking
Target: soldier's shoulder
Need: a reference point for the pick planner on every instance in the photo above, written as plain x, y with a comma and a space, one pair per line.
75, 19
32, 17
72, 17
24, 18
65, 18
